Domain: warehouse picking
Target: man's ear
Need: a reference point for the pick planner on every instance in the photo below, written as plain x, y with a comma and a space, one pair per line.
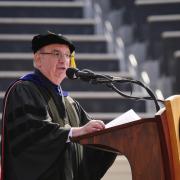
37, 60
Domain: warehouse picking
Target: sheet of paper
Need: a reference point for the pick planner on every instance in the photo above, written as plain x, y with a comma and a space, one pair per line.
126, 117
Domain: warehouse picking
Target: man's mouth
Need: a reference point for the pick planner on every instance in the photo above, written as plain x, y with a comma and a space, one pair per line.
61, 68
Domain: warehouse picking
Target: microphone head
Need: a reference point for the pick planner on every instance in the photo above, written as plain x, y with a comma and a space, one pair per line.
71, 73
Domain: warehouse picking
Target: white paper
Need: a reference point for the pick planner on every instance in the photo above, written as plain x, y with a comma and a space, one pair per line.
126, 117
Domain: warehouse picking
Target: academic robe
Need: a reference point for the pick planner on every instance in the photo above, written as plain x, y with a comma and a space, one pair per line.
34, 145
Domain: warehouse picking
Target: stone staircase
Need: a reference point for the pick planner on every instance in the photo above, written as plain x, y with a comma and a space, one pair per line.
21, 20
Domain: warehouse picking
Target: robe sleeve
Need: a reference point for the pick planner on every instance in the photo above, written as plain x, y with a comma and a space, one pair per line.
34, 142
84, 116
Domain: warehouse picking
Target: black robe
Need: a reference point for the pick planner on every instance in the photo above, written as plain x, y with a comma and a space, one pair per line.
34, 145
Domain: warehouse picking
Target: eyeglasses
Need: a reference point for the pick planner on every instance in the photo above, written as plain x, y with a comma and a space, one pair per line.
58, 55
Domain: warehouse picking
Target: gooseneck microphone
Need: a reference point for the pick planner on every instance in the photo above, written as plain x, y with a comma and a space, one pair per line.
73, 73
94, 78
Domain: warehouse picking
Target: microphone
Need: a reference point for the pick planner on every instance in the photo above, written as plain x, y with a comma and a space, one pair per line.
73, 73
90, 76
93, 78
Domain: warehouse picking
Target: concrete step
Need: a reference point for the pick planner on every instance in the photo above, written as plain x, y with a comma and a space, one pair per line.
108, 102
119, 170
83, 43
23, 61
28, 25
103, 102
72, 9
7, 77
159, 23
144, 8
175, 73
170, 44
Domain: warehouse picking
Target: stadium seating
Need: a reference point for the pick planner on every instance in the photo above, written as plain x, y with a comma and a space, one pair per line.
21, 20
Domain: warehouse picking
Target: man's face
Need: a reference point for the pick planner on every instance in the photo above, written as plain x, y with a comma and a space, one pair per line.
53, 61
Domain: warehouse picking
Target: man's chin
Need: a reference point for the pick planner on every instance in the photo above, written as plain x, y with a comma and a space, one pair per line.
61, 74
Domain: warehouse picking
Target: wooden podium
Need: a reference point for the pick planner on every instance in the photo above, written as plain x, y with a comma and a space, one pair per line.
149, 144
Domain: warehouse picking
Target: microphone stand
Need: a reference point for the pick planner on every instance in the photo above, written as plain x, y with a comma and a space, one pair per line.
109, 81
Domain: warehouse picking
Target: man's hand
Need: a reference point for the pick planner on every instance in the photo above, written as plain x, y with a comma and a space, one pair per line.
91, 126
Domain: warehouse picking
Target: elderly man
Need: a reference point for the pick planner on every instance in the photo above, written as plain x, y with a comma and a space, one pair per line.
39, 118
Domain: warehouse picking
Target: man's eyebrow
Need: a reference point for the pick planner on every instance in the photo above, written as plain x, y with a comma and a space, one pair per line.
55, 50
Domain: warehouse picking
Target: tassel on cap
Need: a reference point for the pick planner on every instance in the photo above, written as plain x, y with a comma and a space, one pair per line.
72, 62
